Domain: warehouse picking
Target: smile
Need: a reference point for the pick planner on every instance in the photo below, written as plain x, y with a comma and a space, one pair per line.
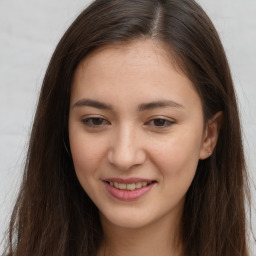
128, 190
131, 186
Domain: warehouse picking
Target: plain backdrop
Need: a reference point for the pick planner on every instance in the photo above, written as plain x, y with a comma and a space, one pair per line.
29, 32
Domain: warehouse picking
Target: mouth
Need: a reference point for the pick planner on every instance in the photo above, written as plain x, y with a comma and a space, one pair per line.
128, 189
130, 186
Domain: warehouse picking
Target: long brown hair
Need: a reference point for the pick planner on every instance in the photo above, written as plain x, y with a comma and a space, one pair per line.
53, 215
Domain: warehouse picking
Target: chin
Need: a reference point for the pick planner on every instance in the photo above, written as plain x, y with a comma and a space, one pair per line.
127, 220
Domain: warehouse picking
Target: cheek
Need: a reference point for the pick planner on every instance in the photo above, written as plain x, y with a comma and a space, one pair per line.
178, 157
86, 155
178, 166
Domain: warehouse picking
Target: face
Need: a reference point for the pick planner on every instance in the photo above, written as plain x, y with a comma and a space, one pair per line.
136, 133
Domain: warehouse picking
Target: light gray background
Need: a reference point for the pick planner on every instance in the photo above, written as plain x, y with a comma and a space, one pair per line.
29, 32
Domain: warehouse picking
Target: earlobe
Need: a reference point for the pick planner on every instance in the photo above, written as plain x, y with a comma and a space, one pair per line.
211, 134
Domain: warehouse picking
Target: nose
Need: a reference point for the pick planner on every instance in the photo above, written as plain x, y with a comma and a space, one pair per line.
126, 150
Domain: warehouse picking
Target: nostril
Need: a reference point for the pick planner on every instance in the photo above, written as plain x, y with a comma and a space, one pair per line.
125, 156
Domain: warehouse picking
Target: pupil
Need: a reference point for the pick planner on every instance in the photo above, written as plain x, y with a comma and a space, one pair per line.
97, 121
159, 122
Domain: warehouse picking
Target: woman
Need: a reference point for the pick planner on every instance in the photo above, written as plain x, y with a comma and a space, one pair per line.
136, 144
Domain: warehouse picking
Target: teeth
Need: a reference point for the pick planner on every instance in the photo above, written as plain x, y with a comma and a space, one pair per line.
138, 184
115, 184
121, 186
131, 186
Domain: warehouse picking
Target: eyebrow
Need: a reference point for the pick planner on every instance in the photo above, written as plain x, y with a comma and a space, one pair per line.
159, 104
92, 103
141, 107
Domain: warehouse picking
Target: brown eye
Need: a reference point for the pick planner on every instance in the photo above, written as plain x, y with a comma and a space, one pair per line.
95, 121
160, 122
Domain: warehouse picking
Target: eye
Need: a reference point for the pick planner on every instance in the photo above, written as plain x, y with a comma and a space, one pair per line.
95, 122
160, 122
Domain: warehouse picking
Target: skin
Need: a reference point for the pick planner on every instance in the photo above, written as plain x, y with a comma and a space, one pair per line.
160, 143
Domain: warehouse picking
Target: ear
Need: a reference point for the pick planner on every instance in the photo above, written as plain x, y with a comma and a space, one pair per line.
210, 136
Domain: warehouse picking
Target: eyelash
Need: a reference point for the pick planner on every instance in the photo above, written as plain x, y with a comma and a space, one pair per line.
89, 122
166, 122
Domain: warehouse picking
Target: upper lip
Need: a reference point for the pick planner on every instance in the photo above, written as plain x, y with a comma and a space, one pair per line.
128, 180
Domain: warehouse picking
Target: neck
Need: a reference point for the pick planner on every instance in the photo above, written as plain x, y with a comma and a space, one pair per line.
159, 238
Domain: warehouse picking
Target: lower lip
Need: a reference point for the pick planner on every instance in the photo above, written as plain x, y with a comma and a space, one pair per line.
128, 195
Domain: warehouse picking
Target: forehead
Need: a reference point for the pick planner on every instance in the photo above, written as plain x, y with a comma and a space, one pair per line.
142, 68
137, 52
